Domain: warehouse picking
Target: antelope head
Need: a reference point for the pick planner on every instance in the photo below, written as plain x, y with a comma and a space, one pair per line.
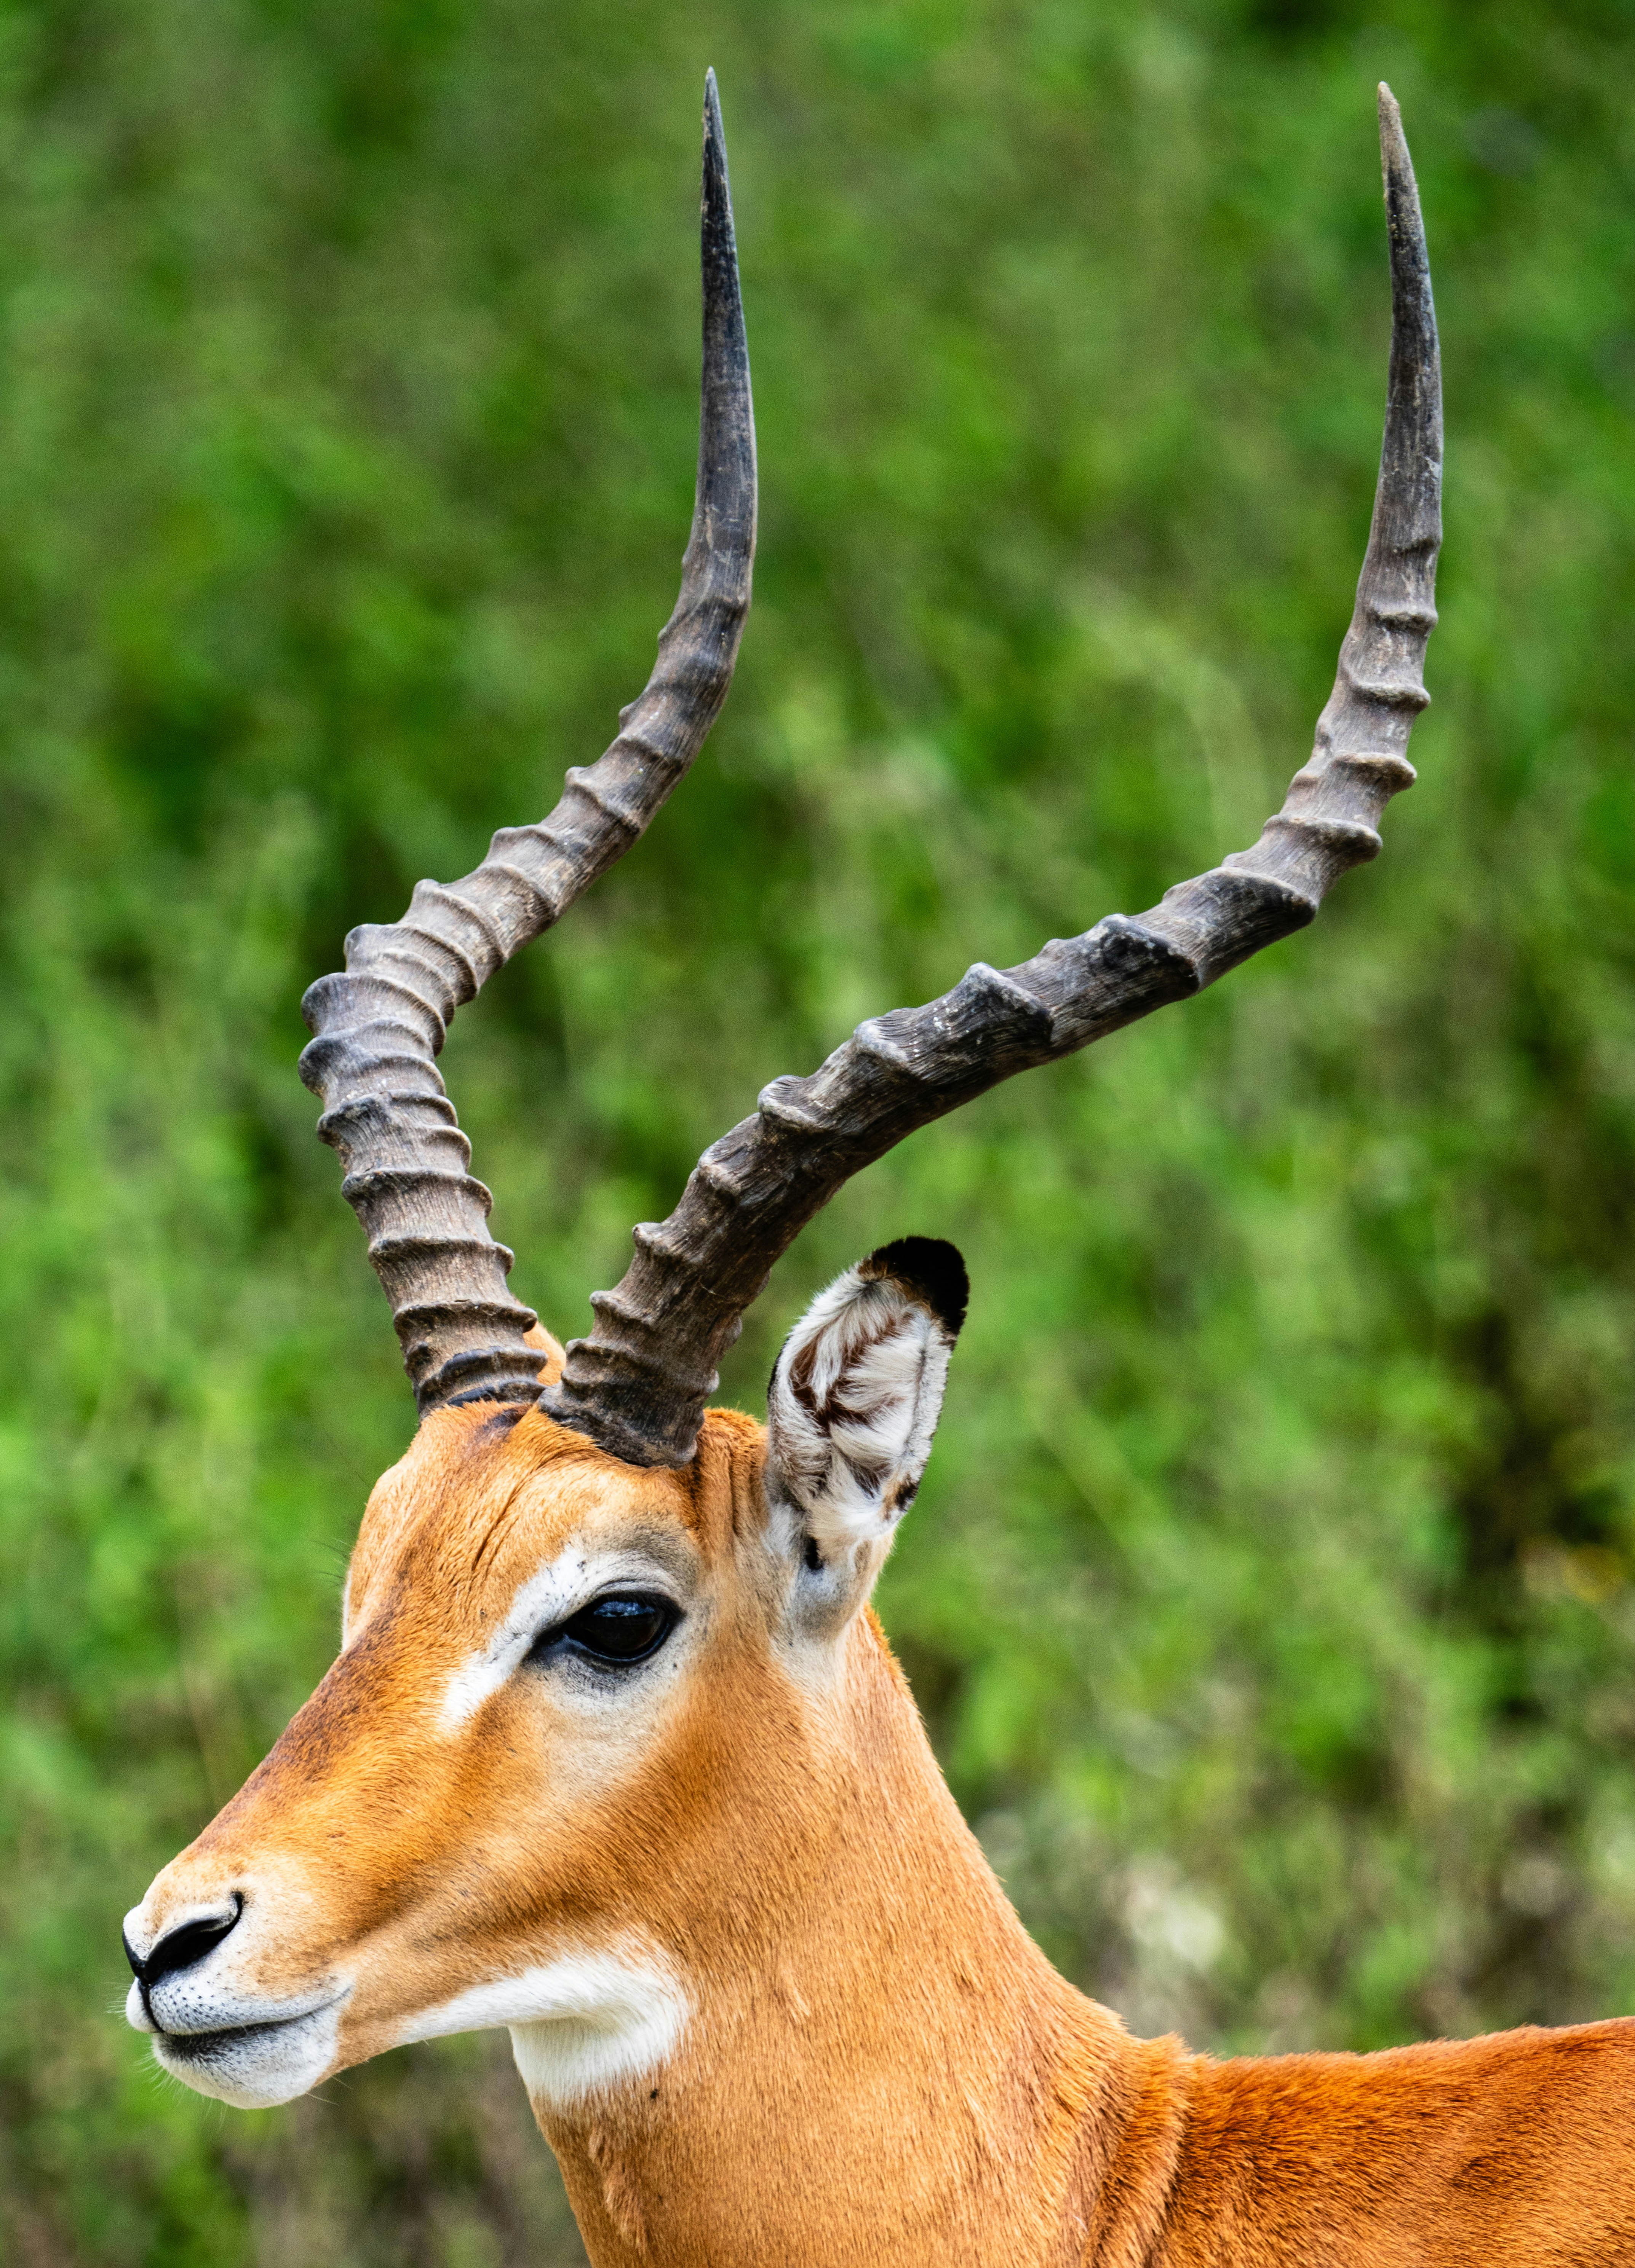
613, 1753
567, 1686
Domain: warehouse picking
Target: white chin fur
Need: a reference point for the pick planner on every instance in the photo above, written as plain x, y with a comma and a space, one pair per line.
853, 1408
255, 2067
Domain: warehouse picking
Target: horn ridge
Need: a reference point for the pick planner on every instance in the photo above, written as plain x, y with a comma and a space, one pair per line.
639, 1384
378, 1026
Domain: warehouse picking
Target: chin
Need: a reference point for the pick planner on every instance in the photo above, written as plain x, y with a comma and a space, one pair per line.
254, 2066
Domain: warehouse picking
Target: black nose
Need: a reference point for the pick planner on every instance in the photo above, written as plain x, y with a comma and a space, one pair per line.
179, 1948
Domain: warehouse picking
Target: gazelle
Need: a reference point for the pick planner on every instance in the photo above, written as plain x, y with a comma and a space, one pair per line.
614, 1753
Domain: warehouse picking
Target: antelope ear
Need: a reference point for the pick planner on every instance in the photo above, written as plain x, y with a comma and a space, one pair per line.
857, 1392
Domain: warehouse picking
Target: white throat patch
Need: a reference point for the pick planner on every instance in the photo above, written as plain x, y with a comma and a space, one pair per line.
579, 2024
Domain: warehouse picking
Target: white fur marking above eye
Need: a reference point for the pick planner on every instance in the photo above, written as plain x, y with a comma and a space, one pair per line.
854, 1403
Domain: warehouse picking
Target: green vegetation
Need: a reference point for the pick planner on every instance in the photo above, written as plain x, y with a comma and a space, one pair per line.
1272, 1595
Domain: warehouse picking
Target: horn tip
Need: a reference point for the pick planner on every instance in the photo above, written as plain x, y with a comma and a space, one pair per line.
716, 193
721, 249
1393, 144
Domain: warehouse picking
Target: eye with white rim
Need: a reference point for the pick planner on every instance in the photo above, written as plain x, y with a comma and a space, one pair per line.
617, 1631
557, 1620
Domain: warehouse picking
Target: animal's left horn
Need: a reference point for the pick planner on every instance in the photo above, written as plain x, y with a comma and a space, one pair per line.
639, 1384
379, 1027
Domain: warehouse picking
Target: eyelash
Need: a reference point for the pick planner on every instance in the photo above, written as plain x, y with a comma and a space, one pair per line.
649, 1608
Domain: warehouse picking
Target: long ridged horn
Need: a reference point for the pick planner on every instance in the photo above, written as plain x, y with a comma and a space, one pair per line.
378, 1028
639, 1384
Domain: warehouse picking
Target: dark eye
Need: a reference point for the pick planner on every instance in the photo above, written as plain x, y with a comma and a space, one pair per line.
625, 1626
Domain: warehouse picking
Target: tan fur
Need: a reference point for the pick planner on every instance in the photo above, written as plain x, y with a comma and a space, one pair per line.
879, 2065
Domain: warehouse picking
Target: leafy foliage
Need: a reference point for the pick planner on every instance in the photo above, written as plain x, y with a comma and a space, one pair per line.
1272, 1591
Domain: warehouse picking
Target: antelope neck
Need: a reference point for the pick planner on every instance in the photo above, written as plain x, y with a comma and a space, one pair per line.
880, 2065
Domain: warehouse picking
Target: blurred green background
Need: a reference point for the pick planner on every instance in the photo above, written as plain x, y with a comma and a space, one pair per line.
1272, 1595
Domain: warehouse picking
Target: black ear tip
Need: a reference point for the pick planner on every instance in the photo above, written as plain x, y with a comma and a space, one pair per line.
931, 1267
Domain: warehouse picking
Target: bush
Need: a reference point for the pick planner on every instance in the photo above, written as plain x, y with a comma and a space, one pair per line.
1270, 1594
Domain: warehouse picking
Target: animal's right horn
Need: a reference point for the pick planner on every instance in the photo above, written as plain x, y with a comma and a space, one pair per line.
639, 1383
379, 1025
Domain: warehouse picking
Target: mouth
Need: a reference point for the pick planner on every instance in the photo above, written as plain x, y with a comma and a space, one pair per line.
232, 2039
254, 2066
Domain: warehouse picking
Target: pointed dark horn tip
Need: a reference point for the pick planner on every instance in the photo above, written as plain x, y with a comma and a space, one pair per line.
1393, 141
717, 195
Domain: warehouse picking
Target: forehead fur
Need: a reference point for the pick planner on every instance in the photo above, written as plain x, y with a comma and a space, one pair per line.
478, 1484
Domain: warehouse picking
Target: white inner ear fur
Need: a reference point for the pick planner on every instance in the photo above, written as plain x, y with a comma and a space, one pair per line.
853, 1407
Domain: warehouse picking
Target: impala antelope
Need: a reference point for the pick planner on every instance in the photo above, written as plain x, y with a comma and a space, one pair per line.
615, 1752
